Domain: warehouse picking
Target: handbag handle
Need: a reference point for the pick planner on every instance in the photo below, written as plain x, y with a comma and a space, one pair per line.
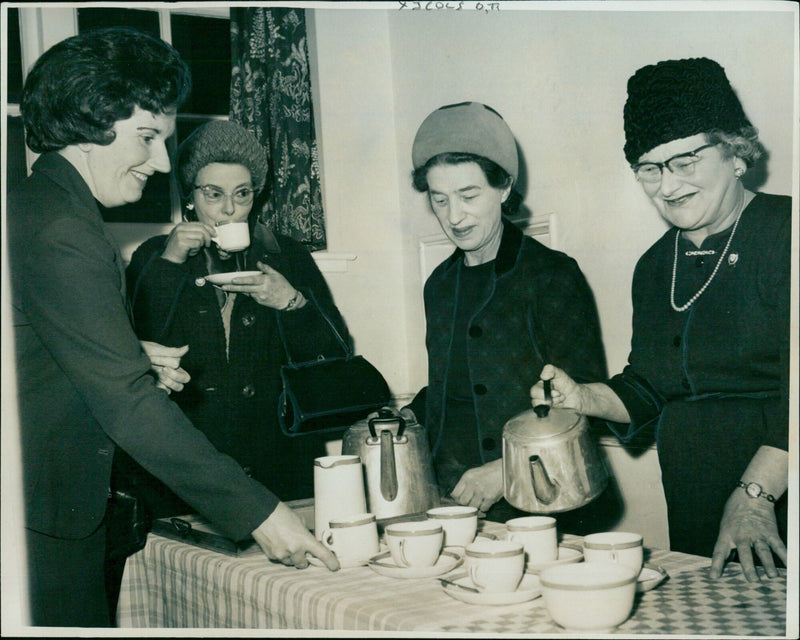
348, 352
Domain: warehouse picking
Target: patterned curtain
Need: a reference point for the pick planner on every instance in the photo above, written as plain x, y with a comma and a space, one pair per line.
271, 96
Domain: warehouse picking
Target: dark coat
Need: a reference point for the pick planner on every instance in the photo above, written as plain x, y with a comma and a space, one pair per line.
233, 398
84, 382
714, 379
538, 310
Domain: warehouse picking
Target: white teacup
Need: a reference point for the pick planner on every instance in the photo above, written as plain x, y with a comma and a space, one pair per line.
414, 544
353, 539
232, 236
495, 565
459, 523
620, 547
538, 535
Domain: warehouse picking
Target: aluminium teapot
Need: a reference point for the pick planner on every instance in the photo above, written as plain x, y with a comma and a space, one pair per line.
551, 462
397, 462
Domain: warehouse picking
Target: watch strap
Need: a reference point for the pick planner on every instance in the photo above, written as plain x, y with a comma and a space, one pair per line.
761, 493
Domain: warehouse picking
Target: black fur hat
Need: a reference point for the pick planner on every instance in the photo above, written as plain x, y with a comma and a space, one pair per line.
677, 99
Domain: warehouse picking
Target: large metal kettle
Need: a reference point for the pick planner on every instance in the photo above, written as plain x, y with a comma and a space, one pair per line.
551, 462
397, 462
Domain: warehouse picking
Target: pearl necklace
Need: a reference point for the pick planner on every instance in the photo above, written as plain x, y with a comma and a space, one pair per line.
713, 273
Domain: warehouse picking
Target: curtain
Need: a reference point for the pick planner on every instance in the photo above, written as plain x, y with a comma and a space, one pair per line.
271, 96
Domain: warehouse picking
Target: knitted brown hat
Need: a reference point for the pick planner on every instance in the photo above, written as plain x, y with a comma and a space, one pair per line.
676, 99
466, 127
220, 141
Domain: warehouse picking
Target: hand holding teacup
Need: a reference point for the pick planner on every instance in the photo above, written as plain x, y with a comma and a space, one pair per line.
186, 239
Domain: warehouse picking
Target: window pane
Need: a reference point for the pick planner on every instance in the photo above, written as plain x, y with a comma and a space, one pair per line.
155, 205
205, 44
146, 21
14, 58
16, 167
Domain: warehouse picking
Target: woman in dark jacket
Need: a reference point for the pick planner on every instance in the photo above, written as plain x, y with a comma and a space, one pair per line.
233, 331
499, 307
709, 360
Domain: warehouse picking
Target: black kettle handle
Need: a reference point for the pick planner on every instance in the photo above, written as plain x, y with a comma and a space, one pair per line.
386, 416
543, 409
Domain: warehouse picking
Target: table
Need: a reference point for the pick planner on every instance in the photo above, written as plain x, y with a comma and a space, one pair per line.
170, 584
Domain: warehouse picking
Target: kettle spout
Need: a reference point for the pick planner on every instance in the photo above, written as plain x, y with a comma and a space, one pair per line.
545, 489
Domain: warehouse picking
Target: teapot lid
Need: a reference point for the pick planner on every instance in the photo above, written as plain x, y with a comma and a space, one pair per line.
529, 424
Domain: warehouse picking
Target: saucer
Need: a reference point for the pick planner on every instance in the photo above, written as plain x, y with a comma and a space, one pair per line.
650, 577
386, 566
348, 564
528, 589
226, 278
351, 564
566, 555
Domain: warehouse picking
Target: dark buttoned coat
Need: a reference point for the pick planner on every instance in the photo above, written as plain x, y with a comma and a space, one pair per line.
537, 309
84, 382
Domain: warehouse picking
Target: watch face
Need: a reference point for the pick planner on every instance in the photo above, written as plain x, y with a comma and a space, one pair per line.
753, 490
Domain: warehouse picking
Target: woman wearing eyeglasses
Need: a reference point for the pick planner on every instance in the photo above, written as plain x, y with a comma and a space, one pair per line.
709, 360
234, 347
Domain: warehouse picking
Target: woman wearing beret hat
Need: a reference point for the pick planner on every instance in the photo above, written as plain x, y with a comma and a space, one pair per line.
499, 308
708, 365
234, 346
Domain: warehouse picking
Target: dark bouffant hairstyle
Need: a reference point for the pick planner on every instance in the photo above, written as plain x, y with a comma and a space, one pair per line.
81, 86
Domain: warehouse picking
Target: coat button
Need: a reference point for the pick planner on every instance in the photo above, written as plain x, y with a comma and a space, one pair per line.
489, 443
199, 282
248, 319
475, 331
676, 341
700, 261
480, 389
249, 391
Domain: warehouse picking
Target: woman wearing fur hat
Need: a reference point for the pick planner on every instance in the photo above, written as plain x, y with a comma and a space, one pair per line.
709, 355
234, 346
499, 308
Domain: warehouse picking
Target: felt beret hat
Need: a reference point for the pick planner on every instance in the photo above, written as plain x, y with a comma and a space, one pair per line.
676, 99
466, 127
220, 141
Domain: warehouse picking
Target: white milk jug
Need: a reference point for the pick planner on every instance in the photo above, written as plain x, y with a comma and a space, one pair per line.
338, 490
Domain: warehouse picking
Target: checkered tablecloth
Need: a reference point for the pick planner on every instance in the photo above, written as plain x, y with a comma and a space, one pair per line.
170, 584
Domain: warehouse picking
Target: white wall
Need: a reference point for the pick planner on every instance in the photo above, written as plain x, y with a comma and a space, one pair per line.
559, 79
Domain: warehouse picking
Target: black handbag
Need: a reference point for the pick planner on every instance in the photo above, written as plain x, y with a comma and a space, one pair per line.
328, 394
126, 524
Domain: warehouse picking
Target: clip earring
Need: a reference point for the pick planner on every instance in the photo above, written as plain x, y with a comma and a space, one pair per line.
738, 173
190, 206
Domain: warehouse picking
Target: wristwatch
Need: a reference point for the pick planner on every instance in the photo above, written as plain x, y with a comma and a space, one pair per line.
754, 490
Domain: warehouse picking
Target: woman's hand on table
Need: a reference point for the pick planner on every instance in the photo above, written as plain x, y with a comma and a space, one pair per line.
166, 364
269, 288
284, 537
748, 524
186, 239
480, 487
